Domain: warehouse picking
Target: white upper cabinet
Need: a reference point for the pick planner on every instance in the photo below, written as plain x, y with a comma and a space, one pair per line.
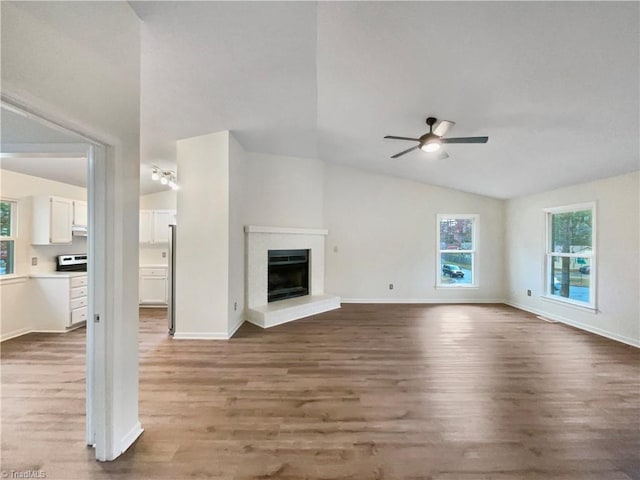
80, 213
154, 225
145, 226
52, 220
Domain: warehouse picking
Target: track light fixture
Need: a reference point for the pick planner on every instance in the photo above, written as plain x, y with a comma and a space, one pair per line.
166, 177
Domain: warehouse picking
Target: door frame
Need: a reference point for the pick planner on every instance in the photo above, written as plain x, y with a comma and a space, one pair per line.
98, 369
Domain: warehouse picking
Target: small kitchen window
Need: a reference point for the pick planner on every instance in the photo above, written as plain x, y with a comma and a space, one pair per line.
8, 224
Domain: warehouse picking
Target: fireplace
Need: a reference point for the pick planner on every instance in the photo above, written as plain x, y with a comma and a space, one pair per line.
288, 274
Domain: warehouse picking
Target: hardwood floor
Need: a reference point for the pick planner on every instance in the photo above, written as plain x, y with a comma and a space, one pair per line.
469, 392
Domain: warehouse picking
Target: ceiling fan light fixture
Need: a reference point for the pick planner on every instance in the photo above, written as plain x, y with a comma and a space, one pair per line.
431, 146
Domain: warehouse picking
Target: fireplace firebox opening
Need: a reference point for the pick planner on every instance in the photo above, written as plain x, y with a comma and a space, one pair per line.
288, 274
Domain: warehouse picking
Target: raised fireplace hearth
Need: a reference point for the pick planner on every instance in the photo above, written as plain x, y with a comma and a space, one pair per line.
288, 274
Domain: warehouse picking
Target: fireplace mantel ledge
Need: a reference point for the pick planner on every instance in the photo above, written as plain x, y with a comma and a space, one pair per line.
289, 230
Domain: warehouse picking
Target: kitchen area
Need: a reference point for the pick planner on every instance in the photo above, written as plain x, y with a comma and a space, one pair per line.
44, 283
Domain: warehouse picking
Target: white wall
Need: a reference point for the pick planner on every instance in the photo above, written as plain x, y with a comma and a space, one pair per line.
384, 229
78, 63
237, 214
618, 261
202, 243
284, 191
165, 200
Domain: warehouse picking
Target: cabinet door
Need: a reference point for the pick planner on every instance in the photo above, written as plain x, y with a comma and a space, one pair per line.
153, 290
61, 219
80, 213
161, 221
145, 226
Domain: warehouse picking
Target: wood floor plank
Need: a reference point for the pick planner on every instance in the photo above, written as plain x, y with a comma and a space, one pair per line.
440, 392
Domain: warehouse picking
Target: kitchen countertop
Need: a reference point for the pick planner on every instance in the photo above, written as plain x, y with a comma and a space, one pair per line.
58, 274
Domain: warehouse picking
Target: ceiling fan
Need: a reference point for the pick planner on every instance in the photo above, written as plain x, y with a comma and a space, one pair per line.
432, 141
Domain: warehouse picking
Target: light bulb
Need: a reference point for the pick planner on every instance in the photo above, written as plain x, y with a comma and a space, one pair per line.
155, 175
164, 180
431, 146
174, 186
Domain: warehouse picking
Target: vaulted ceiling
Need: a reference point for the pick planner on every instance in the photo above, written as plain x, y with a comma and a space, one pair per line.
553, 84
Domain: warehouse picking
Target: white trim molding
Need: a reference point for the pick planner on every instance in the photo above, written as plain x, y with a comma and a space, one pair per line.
581, 326
288, 230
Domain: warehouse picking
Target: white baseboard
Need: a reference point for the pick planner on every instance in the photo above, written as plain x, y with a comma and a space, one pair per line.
125, 442
233, 331
422, 300
14, 334
24, 331
201, 336
559, 318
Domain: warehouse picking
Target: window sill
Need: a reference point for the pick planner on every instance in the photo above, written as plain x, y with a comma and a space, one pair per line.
459, 285
567, 303
10, 279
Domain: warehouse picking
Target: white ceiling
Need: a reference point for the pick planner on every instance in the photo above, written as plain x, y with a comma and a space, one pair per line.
23, 133
553, 84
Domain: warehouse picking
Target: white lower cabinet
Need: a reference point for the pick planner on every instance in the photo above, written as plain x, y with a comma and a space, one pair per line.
154, 286
60, 301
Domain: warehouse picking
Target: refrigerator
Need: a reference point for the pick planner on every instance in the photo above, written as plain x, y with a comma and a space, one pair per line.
171, 311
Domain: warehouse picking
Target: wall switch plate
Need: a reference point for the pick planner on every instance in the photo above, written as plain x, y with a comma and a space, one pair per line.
528, 293
34, 261
391, 286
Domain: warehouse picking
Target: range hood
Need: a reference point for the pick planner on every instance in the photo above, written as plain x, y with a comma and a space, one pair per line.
79, 230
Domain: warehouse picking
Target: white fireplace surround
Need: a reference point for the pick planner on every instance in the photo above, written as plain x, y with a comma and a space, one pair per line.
259, 240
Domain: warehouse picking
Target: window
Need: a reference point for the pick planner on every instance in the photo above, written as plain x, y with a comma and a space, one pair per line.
570, 256
7, 236
457, 250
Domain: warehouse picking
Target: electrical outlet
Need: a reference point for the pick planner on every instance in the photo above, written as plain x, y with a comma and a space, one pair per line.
391, 286
164, 254
528, 293
34, 261
235, 306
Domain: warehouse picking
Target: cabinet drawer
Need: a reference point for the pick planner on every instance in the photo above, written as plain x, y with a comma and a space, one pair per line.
79, 315
79, 292
153, 272
79, 282
79, 303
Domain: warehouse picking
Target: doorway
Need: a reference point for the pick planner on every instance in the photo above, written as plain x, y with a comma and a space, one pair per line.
46, 150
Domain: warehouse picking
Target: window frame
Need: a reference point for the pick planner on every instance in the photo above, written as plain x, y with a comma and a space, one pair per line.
549, 254
13, 234
475, 218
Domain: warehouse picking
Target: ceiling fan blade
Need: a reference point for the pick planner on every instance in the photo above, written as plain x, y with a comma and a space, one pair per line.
405, 151
443, 155
466, 140
402, 138
443, 127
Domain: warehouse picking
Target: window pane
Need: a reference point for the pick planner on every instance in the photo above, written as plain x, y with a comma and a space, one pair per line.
5, 219
571, 278
6, 257
456, 234
456, 268
571, 232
